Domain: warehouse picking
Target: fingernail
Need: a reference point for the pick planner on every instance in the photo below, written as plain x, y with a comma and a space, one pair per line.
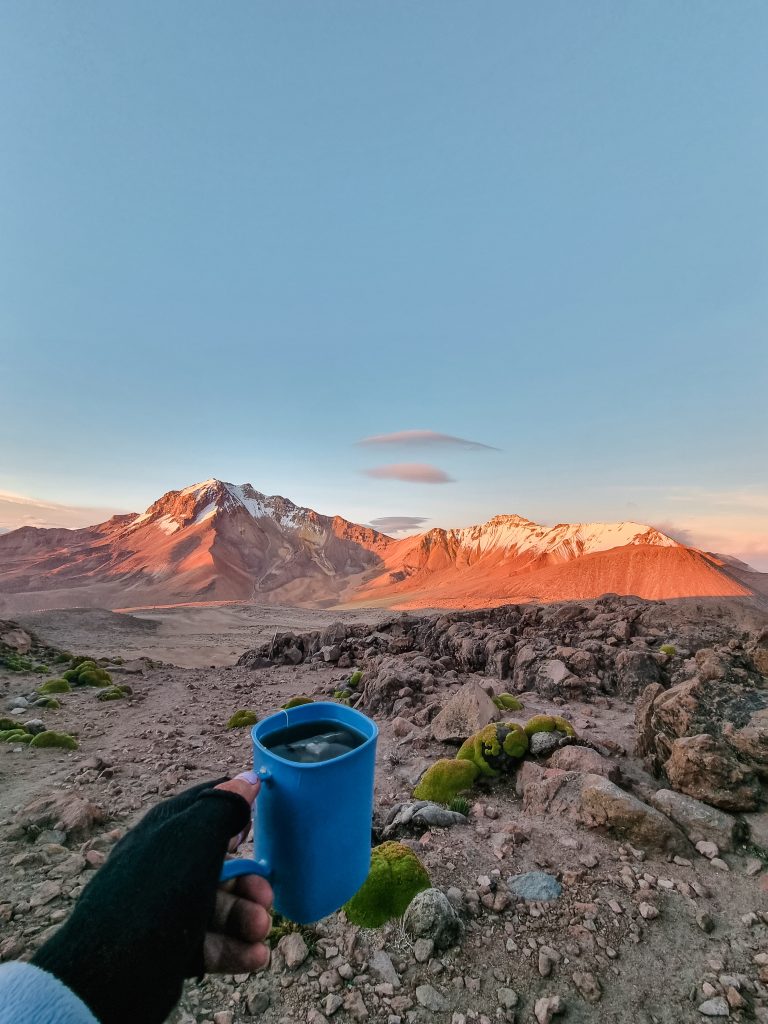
250, 777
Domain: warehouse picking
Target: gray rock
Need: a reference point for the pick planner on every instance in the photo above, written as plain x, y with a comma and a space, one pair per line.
430, 915
34, 725
466, 712
18, 702
381, 968
698, 820
535, 885
717, 1007
507, 998
431, 999
423, 950
544, 743
421, 814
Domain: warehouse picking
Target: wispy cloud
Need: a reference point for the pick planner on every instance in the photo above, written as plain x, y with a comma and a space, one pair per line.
17, 510
410, 472
397, 524
676, 532
424, 439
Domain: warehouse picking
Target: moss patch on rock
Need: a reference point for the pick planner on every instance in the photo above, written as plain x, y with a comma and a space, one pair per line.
49, 738
445, 779
506, 702
54, 686
114, 693
87, 673
242, 719
355, 679
296, 702
669, 649
396, 876
548, 723
18, 735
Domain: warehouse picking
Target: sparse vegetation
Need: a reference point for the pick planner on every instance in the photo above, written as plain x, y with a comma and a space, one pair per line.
668, 649
87, 673
396, 876
242, 719
460, 805
54, 686
296, 702
49, 738
114, 693
445, 779
506, 702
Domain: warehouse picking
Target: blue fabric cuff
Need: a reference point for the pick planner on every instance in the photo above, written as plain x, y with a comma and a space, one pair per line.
34, 996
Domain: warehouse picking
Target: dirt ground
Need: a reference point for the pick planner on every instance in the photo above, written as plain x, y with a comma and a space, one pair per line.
171, 733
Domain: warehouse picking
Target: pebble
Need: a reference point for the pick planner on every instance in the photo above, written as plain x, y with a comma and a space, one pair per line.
719, 863
647, 911
705, 921
546, 1008
708, 849
588, 986
753, 867
428, 997
717, 1007
507, 998
422, 950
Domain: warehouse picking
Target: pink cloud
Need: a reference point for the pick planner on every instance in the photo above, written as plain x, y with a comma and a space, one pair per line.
410, 472
414, 438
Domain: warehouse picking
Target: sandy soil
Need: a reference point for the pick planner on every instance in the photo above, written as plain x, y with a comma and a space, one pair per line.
189, 635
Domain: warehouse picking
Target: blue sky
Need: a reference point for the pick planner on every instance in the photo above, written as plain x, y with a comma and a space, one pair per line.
238, 238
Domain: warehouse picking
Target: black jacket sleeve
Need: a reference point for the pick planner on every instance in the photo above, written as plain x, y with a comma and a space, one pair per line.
138, 928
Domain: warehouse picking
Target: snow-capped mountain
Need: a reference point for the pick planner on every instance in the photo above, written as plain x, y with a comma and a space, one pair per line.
217, 541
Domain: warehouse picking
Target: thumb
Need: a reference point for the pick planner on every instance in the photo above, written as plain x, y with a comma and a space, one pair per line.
246, 785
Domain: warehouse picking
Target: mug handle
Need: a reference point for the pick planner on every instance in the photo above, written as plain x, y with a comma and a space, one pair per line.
242, 866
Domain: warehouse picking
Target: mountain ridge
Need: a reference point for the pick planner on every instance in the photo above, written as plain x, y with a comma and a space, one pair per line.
218, 541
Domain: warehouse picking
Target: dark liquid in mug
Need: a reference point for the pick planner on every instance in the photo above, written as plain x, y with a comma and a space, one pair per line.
311, 742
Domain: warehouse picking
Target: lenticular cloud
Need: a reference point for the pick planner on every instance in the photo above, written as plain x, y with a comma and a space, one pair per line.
410, 472
424, 438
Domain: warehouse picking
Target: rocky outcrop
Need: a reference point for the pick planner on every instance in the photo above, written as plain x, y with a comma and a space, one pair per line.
708, 770
708, 734
596, 802
468, 710
699, 821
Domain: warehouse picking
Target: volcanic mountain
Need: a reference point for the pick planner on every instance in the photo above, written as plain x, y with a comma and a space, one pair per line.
216, 541
212, 541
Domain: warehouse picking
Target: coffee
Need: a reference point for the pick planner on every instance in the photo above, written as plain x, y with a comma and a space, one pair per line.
312, 742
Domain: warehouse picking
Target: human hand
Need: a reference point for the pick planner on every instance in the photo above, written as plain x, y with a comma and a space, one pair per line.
155, 914
234, 942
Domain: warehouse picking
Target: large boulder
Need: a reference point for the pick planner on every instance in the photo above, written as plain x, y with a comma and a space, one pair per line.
468, 711
699, 821
14, 637
709, 734
634, 671
708, 770
596, 802
584, 759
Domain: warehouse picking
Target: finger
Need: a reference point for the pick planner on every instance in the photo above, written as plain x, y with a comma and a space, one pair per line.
247, 784
255, 888
240, 918
225, 955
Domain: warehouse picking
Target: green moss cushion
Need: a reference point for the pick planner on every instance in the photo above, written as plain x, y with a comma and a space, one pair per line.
445, 779
548, 723
54, 739
395, 877
54, 686
241, 719
506, 702
296, 702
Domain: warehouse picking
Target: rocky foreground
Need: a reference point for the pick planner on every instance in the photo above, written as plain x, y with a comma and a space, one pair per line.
615, 875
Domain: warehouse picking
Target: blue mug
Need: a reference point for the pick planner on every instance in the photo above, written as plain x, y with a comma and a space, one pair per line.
311, 822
